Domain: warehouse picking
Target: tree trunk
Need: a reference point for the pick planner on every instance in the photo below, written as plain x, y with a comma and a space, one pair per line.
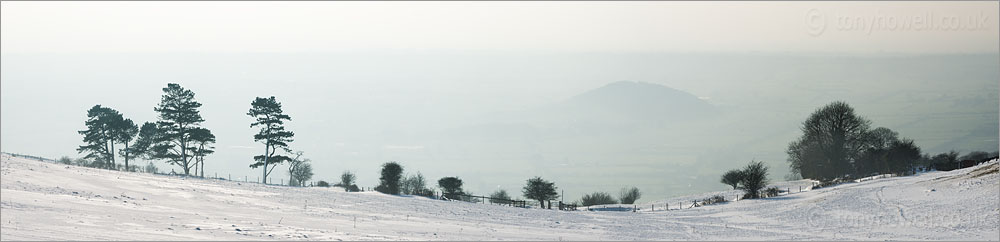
184, 159
541, 203
126, 156
267, 146
106, 161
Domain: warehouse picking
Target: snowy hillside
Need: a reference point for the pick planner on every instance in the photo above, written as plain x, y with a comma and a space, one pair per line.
53, 202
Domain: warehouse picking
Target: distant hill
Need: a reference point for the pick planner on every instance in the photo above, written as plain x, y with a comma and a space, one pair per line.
640, 101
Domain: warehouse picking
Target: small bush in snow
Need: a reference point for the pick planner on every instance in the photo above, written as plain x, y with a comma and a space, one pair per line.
754, 179
713, 200
499, 196
628, 195
66, 160
151, 168
322, 183
597, 198
347, 181
772, 192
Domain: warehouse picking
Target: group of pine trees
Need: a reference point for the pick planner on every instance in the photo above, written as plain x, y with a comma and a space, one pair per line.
178, 138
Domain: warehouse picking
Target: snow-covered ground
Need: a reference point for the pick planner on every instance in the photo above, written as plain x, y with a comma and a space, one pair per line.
54, 202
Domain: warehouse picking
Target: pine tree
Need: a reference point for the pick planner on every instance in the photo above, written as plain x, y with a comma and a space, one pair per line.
268, 115
179, 117
125, 132
202, 139
99, 137
147, 137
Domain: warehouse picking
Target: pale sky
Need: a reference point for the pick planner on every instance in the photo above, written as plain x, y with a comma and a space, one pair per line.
462, 88
553, 26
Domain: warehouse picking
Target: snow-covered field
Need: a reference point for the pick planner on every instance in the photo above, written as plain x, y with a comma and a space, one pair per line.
46, 201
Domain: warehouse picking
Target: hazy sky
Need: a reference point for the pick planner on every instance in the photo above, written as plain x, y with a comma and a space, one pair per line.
571, 26
440, 86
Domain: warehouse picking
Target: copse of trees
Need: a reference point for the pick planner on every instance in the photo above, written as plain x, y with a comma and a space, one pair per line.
951, 160
391, 173
836, 142
270, 118
597, 198
177, 137
541, 190
628, 195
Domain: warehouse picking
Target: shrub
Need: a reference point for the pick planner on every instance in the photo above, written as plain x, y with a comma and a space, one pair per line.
628, 195
347, 180
322, 183
65, 160
597, 198
713, 200
499, 196
754, 179
772, 192
151, 168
